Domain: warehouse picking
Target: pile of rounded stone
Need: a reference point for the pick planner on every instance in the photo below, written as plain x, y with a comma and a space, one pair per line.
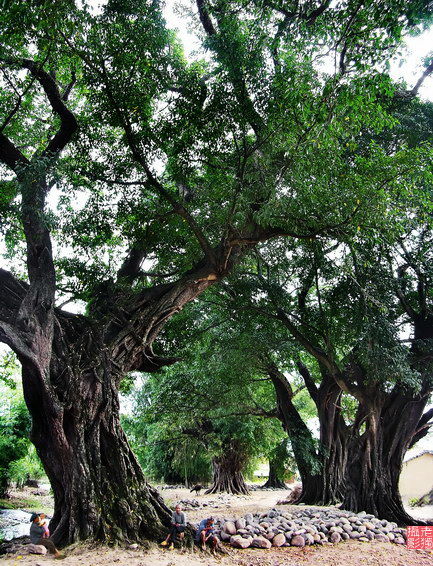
306, 527
261, 488
222, 500
190, 504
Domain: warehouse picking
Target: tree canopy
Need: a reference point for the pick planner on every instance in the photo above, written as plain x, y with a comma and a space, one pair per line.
133, 179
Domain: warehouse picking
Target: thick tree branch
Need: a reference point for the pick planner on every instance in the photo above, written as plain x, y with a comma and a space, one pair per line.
308, 380
312, 16
422, 428
205, 18
131, 266
428, 71
68, 122
10, 155
12, 292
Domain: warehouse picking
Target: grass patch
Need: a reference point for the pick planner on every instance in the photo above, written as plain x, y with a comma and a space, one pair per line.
31, 503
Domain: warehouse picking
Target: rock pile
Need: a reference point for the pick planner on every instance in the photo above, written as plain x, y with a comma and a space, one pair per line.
223, 500
306, 527
261, 488
190, 504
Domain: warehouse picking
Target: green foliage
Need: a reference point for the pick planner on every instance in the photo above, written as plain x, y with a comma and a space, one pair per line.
184, 159
27, 466
283, 461
14, 443
9, 370
217, 395
18, 458
255, 135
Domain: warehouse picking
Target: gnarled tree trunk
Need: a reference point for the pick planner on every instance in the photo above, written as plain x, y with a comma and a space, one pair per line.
227, 472
393, 422
334, 435
376, 456
99, 488
71, 373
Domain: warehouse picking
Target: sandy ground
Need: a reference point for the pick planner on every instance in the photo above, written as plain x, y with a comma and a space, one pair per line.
351, 553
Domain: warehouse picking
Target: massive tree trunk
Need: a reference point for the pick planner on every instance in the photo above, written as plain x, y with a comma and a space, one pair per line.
376, 456
70, 379
99, 488
393, 422
334, 435
227, 472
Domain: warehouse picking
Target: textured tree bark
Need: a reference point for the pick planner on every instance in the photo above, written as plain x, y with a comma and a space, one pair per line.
274, 481
321, 468
99, 488
70, 380
227, 472
334, 435
376, 456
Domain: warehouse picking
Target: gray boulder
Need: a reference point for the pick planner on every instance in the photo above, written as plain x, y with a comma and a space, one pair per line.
36, 549
229, 528
297, 540
239, 542
278, 540
261, 542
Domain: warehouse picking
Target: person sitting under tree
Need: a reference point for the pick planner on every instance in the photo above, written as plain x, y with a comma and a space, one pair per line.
205, 534
39, 534
178, 526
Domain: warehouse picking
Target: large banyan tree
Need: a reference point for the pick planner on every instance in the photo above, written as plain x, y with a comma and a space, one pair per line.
362, 315
132, 180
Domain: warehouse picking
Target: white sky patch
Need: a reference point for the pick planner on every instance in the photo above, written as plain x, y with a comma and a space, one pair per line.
410, 66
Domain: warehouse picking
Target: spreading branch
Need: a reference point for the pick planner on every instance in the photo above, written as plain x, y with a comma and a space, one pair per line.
423, 427
68, 122
427, 72
11, 155
308, 380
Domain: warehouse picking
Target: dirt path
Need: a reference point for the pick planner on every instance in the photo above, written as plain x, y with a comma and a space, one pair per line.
350, 553
344, 554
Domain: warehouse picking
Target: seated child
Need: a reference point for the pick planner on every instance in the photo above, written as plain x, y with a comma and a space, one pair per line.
44, 524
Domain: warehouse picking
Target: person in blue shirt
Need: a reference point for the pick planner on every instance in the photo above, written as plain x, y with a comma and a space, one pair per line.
205, 534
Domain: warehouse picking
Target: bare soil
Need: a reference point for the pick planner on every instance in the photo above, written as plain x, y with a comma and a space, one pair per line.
351, 553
